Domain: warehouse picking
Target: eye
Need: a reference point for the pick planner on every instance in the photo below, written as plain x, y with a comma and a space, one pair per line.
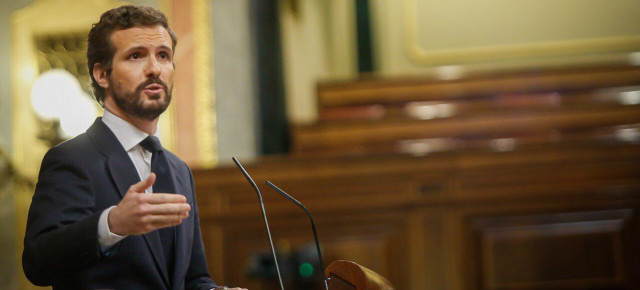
134, 55
164, 55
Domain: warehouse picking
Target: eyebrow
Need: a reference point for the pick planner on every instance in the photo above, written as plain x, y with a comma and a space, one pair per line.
141, 47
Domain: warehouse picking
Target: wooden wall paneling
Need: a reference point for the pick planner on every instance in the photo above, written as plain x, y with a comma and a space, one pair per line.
428, 263
547, 155
354, 191
552, 245
562, 250
242, 240
417, 268
424, 204
379, 245
564, 181
380, 90
320, 189
213, 239
477, 105
325, 136
374, 116
557, 209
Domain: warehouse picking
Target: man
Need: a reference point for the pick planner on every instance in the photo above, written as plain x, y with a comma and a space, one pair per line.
112, 208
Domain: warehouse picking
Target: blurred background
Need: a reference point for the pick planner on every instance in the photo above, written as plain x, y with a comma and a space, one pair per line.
443, 144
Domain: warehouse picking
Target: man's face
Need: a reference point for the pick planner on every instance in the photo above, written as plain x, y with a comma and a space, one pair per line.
141, 79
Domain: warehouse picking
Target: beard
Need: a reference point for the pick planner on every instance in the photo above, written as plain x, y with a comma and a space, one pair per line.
133, 104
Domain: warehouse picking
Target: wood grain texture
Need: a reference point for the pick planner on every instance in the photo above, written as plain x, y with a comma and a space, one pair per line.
536, 185
359, 276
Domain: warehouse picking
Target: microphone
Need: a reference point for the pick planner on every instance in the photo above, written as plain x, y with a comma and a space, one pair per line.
264, 215
313, 227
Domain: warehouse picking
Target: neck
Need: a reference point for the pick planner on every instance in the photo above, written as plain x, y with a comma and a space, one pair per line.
144, 125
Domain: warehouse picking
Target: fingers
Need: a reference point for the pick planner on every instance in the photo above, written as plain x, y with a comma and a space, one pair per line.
180, 209
161, 221
144, 184
154, 217
160, 198
140, 213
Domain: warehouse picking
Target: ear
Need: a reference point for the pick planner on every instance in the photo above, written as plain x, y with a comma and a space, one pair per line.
100, 75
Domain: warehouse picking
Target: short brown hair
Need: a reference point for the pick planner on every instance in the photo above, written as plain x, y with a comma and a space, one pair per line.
99, 47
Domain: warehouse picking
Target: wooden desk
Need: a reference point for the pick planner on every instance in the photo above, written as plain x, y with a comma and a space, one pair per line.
537, 187
540, 218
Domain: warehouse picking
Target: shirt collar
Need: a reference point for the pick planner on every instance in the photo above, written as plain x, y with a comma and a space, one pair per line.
128, 135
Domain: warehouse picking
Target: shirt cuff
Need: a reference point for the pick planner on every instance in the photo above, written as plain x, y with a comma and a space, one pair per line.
106, 238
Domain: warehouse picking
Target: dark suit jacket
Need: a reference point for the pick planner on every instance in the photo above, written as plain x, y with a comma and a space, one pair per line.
79, 179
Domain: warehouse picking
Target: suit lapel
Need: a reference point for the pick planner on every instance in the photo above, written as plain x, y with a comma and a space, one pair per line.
153, 241
174, 173
122, 171
179, 188
124, 175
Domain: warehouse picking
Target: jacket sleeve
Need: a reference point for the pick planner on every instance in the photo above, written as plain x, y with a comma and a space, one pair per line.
61, 235
198, 273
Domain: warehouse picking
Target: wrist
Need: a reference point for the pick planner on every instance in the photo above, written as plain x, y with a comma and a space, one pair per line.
112, 222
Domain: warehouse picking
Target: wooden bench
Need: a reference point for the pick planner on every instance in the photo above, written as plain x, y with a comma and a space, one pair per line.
533, 183
376, 116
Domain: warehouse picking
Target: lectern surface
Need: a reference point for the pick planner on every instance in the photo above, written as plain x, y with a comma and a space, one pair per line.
335, 283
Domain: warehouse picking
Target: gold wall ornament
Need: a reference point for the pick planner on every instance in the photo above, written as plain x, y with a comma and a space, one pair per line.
11, 180
193, 109
204, 94
166, 124
41, 20
515, 50
47, 21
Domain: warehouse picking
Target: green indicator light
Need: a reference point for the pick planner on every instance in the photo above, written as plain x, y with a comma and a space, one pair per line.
305, 270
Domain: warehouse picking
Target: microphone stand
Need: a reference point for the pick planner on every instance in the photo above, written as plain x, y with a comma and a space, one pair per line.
264, 215
313, 227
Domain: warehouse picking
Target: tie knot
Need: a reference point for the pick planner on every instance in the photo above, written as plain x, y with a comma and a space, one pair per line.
152, 144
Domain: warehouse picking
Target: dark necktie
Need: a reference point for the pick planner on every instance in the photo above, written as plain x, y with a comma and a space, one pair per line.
163, 184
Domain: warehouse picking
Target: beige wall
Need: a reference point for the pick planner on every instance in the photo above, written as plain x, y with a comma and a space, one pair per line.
416, 35
318, 42
236, 101
436, 37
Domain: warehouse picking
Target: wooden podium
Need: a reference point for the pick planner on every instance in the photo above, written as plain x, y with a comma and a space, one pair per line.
347, 275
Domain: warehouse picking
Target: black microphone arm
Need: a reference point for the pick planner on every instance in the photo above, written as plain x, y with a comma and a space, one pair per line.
264, 215
313, 227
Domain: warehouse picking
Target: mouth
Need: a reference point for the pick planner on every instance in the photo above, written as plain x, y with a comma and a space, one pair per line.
153, 89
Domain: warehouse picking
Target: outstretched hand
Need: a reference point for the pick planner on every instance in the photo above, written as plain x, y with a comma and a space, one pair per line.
139, 212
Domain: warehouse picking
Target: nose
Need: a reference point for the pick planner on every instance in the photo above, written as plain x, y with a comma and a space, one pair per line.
153, 67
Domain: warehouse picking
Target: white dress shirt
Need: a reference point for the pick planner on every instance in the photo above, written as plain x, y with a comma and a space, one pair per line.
130, 137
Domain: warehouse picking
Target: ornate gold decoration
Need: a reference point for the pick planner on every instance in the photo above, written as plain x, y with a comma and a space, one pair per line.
506, 52
203, 117
66, 51
9, 176
45, 19
167, 122
204, 93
